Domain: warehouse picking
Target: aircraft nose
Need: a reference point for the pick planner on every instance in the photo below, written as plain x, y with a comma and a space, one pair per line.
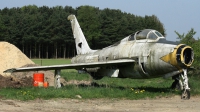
185, 55
181, 57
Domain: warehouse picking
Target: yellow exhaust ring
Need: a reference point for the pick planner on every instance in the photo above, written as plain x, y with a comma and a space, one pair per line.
182, 58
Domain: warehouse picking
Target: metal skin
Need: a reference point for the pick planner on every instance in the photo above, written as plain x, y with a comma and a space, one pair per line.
141, 55
151, 59
154, 57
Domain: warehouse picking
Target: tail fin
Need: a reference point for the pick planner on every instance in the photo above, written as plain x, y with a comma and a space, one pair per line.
82, 46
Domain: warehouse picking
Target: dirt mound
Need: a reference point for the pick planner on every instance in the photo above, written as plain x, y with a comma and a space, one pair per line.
22, 79
48, 75
11, 57
8, 81
77, 82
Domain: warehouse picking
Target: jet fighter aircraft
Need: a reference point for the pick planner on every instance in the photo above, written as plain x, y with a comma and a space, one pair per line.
142, 55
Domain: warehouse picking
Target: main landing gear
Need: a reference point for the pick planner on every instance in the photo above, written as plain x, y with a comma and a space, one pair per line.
57, 83
181, 83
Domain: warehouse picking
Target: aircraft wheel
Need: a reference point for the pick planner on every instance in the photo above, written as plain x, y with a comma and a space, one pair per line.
185, 95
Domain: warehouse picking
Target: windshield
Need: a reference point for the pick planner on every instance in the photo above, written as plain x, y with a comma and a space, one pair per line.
146, 34
142, 34
152, 36
159, 34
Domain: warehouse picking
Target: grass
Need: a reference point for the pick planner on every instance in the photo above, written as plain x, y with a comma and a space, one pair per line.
114, 88
104, 88
45, 62
110, 88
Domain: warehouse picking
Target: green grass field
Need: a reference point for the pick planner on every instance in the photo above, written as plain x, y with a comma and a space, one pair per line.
111, 88
45, 62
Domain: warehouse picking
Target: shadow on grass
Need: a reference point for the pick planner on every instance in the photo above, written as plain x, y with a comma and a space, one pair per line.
146, 88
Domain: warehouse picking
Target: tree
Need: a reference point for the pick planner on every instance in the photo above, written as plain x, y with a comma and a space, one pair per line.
190, 40
45, 32
88, 18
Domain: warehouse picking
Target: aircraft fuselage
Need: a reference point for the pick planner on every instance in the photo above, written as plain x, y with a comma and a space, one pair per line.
154, 58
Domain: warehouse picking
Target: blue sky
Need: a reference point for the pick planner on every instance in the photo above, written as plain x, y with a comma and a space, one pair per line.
179, 15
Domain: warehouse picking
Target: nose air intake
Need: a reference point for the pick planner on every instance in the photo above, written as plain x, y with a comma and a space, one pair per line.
188, 55
184, 56
181, 57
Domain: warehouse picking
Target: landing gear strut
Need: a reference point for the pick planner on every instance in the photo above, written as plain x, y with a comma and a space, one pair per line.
181, 83
57, 83
186, 90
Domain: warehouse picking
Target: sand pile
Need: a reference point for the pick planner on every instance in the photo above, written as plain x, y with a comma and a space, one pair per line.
11, 57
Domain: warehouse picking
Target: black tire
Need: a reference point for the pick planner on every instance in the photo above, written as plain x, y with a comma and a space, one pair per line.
185, 95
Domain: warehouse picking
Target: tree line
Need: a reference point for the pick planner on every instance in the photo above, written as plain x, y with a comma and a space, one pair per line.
45, 32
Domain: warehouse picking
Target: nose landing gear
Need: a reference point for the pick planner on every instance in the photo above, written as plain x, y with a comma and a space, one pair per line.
181, 83
186, 90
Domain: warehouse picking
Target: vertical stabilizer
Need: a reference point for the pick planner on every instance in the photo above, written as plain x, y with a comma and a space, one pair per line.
82, 46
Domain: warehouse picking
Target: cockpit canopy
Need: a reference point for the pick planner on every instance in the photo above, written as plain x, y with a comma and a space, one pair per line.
146, 34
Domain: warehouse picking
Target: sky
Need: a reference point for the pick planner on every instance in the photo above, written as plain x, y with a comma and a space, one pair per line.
176, 15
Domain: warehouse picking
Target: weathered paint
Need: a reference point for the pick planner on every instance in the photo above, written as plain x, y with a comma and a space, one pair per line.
143, 54
154, 56
152, 59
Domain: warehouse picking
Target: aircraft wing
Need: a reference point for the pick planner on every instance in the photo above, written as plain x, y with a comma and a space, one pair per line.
72, 66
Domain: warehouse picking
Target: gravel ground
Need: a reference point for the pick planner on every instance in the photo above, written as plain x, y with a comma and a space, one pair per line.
172, 104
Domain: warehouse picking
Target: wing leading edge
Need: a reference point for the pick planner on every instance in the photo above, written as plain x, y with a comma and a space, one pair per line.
72, 66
